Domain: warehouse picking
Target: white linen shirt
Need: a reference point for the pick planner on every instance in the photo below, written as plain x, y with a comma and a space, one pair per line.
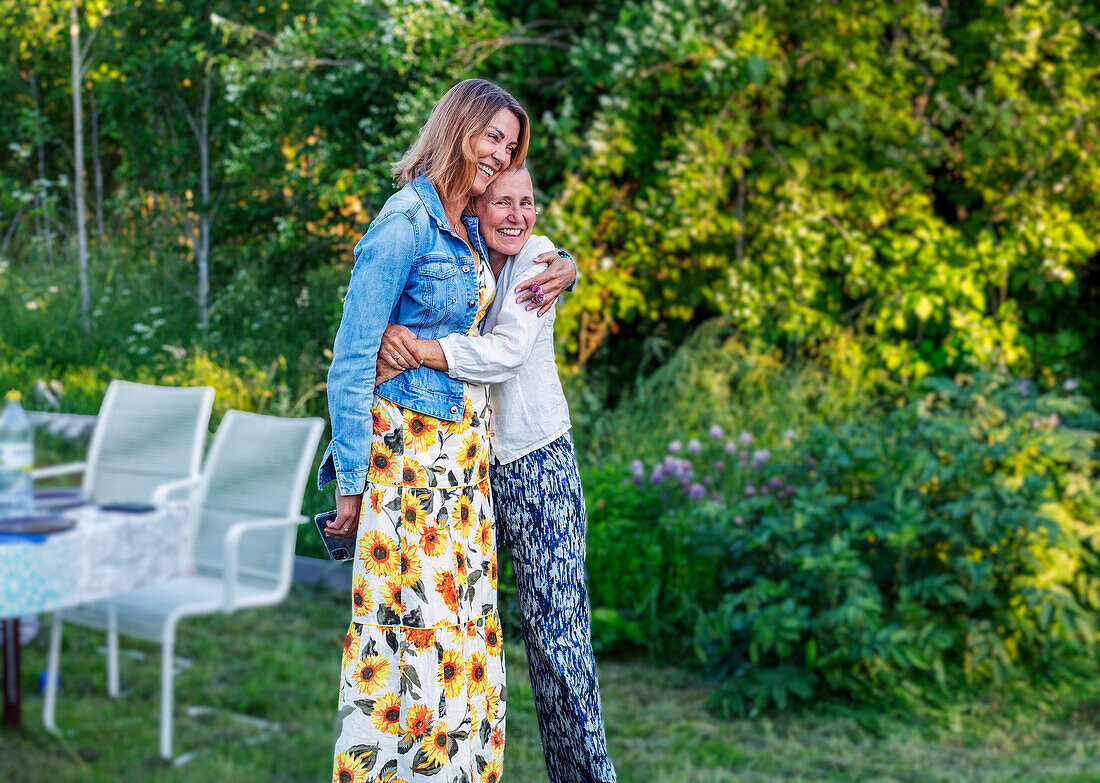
515, 355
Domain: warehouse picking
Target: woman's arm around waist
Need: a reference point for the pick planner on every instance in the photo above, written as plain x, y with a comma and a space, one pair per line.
500, 355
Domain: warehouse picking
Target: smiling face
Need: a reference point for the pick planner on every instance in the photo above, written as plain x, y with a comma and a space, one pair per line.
507, 212
494, 149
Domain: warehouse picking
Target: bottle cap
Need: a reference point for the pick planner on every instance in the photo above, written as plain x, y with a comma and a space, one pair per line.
13, 396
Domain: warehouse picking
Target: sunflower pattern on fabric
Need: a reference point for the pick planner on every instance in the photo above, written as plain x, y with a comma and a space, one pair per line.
422, 691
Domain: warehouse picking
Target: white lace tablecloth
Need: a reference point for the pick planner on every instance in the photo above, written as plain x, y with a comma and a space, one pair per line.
107, 553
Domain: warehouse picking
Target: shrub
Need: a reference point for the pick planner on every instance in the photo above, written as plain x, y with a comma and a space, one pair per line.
949, 540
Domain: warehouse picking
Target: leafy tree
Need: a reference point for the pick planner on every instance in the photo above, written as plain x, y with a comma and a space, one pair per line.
32, 80
328, 104
903, 167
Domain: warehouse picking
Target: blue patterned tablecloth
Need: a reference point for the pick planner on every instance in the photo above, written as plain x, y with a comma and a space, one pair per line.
107, 553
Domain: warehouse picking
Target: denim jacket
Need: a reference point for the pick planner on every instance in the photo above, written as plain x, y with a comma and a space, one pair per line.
410, 269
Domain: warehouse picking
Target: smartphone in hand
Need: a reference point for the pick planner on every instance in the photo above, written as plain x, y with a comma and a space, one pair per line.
338, 547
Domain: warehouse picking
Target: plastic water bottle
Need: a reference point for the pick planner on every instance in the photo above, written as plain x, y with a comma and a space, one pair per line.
16, 459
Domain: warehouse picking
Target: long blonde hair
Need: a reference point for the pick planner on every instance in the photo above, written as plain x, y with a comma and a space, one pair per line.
444, 151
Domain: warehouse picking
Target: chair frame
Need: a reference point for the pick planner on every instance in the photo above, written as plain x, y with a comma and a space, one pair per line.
231, 600
89, 466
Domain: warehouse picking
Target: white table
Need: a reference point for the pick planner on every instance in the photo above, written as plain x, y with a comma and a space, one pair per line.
105, 554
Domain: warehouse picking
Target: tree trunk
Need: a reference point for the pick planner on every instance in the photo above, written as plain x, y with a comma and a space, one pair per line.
42, 218
202, 252
97, 168
78, 166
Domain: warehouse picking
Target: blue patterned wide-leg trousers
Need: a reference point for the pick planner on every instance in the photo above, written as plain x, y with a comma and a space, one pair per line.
540, 514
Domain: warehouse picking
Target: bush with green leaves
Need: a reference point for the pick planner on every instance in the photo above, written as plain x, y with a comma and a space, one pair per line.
949, 540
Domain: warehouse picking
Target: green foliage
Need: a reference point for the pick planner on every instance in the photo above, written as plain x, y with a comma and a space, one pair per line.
894, 553
329, 106
917, 172
241, 357
920, 171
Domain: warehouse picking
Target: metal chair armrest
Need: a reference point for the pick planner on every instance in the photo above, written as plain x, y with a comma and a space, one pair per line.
163, 491
232, 545
53, 471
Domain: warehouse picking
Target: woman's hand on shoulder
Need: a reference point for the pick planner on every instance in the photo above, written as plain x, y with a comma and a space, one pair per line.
397, 353
559, 275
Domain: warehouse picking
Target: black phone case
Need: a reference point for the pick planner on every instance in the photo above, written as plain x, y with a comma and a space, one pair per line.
338, 547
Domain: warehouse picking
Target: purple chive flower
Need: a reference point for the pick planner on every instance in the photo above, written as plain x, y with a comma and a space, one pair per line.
730, 447
719, 465
676, 467
745, 437
675, 446
697, 492
750, 490
637, 468
694, 446
716, 431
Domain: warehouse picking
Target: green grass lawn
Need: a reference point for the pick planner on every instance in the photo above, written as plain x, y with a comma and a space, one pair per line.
281, 665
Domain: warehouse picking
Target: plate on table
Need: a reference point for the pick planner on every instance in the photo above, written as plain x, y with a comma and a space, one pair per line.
59, 498
37, 524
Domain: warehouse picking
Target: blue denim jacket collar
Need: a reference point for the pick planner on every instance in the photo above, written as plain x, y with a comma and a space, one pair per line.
434, 207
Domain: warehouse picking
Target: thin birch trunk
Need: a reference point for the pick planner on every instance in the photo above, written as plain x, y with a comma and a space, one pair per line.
97, 168
202, 252
78, 166
42, 220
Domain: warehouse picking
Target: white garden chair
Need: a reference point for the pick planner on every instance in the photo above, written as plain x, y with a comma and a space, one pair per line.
145, 437
245, 515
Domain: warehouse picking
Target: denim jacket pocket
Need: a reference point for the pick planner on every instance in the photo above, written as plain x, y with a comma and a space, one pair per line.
437, 290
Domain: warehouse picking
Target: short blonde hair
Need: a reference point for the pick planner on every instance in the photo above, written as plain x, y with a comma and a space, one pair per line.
477, 201
444, 151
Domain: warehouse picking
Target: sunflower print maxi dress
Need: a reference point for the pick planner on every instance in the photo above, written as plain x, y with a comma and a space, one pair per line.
422, 682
